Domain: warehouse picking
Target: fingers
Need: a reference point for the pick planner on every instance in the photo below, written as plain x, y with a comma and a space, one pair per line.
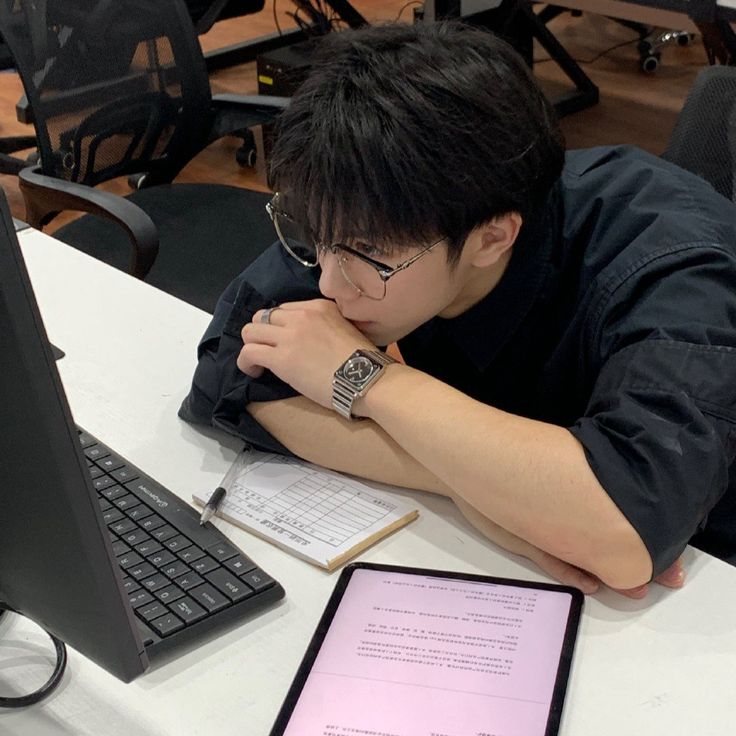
673, 576
311, 305
568, 574
255, 332
253, 358
635, 593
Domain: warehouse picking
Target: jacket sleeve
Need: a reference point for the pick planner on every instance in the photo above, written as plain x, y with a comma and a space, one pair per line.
659, 430
220, 391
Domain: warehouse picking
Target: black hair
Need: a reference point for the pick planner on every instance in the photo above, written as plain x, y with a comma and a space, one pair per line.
404, 134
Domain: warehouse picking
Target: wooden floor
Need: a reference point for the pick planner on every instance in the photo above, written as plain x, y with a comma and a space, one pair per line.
634, 108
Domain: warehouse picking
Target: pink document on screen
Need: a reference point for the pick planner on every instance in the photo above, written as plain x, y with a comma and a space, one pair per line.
408, 655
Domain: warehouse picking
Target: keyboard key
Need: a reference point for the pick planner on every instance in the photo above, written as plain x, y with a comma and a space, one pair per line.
129, 585
110, 463
163, 532
240, 564
176, 543
86, 440
190, 554
95, 472
104, 481
104, 503
119, 548
126, 502
187, 610
112, 492
140, 598
95, 452
123, 527
222, 551
141, 571
138, 512
227, 583
135, 537
210, 598
152, 522
112, 515
204, 564
155, 581
190, 580
175, 569
167, 624
148, 547
169, 593
151, 611
258, 580
124, 474
161, 558
129, 559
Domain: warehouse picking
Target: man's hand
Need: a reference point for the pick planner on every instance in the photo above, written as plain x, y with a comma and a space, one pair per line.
303, 344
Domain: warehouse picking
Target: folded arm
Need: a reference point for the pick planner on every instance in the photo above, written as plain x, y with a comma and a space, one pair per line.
364, 449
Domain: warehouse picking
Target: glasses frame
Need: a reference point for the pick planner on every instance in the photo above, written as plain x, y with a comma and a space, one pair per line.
385, 272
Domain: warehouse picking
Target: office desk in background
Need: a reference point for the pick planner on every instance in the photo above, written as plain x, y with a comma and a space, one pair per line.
671, 14
662, 667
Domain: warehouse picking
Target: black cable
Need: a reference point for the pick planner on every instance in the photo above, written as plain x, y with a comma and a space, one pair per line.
405, 6
594, 58
276, 19
21, 701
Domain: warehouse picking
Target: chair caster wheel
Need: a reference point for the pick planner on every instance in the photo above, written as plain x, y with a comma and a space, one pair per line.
650, 64
137, 181
246, 156
685, 39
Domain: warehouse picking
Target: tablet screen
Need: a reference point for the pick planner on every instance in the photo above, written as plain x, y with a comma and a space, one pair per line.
403, 652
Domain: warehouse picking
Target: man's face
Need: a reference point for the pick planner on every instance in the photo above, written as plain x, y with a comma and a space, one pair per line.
427, 288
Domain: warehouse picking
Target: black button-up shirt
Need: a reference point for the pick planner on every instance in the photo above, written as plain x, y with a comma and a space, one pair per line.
616, 318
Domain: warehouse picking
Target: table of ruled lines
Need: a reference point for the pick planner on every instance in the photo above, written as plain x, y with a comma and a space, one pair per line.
319, 505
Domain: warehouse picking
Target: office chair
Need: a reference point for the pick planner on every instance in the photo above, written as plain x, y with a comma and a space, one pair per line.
651, 40
10, 164
704, 138
205, 13
117, 88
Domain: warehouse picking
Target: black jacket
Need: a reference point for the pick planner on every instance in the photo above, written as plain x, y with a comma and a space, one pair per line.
616, 318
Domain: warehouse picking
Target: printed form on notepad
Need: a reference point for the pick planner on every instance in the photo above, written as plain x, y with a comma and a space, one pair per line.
319, 515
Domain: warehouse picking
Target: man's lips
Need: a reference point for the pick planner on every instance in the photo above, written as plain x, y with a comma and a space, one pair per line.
360, 324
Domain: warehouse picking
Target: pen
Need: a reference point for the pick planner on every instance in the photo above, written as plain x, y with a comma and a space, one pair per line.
210, 508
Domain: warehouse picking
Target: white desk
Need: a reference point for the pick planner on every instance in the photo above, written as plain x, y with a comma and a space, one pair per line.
662, 667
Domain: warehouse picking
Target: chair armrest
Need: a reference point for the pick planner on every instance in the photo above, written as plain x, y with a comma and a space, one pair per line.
236, 112
45, 197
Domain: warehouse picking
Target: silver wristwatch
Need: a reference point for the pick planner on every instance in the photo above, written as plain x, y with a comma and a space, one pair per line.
354, 377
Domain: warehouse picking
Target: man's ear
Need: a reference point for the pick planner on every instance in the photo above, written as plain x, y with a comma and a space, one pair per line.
495, 239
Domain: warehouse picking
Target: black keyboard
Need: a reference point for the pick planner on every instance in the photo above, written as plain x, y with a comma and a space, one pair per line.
182, 579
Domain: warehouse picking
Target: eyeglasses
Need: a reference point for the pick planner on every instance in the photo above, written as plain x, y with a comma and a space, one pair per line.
363, 273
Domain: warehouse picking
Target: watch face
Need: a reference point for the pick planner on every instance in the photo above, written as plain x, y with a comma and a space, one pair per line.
358, 370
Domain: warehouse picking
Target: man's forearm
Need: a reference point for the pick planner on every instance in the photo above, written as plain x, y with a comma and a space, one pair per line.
365, 450
529, 477
323, 437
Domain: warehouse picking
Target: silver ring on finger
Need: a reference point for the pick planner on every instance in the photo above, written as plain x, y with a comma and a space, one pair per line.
266, 316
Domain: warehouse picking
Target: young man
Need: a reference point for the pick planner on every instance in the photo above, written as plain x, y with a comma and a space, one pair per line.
568, 324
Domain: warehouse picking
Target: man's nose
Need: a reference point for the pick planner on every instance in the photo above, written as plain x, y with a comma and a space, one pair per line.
332, 282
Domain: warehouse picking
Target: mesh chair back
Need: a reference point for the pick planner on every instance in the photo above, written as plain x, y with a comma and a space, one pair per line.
115, 86
704, 138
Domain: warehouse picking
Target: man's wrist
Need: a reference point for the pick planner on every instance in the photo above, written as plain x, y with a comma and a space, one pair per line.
363, 405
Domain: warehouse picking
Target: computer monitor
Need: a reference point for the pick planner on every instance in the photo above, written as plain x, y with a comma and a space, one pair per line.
56, 562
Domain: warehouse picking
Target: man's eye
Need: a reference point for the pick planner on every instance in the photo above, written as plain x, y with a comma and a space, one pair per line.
367, 249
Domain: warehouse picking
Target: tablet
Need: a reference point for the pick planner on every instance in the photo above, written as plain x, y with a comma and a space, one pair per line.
409, 652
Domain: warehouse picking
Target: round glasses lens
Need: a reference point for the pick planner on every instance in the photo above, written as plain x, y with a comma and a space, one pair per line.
364, 277
295, 239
